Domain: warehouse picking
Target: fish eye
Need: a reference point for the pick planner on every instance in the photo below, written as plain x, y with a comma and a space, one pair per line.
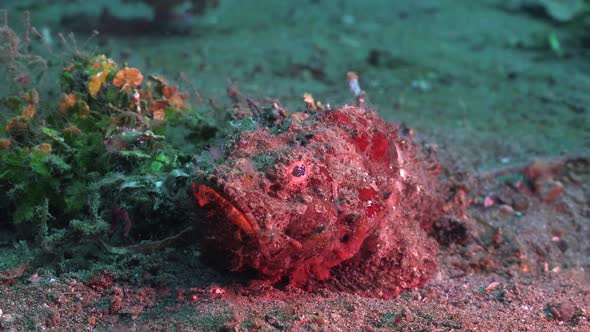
298, 171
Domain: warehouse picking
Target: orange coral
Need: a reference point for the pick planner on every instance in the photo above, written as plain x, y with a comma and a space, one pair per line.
5, 143
175, 99
32, 97
146, 94
84, 110
29, 112
159, 114
71, 131
158, 109
158, 105
67, 101
127, 79
102, 63
44, 148
18, 122
72, 101
96, 82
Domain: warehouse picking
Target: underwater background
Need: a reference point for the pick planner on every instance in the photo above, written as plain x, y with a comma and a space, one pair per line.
110, 109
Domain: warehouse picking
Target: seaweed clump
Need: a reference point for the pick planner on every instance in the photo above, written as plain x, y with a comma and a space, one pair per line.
98, 162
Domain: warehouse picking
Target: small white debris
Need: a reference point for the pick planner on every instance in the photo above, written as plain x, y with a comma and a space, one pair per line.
488, 202
421, 85
348, 19
492, 287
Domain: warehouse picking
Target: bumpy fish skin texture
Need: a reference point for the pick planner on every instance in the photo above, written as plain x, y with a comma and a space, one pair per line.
340, 199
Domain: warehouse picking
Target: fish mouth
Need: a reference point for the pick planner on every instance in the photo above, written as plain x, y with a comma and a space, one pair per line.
206, 195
